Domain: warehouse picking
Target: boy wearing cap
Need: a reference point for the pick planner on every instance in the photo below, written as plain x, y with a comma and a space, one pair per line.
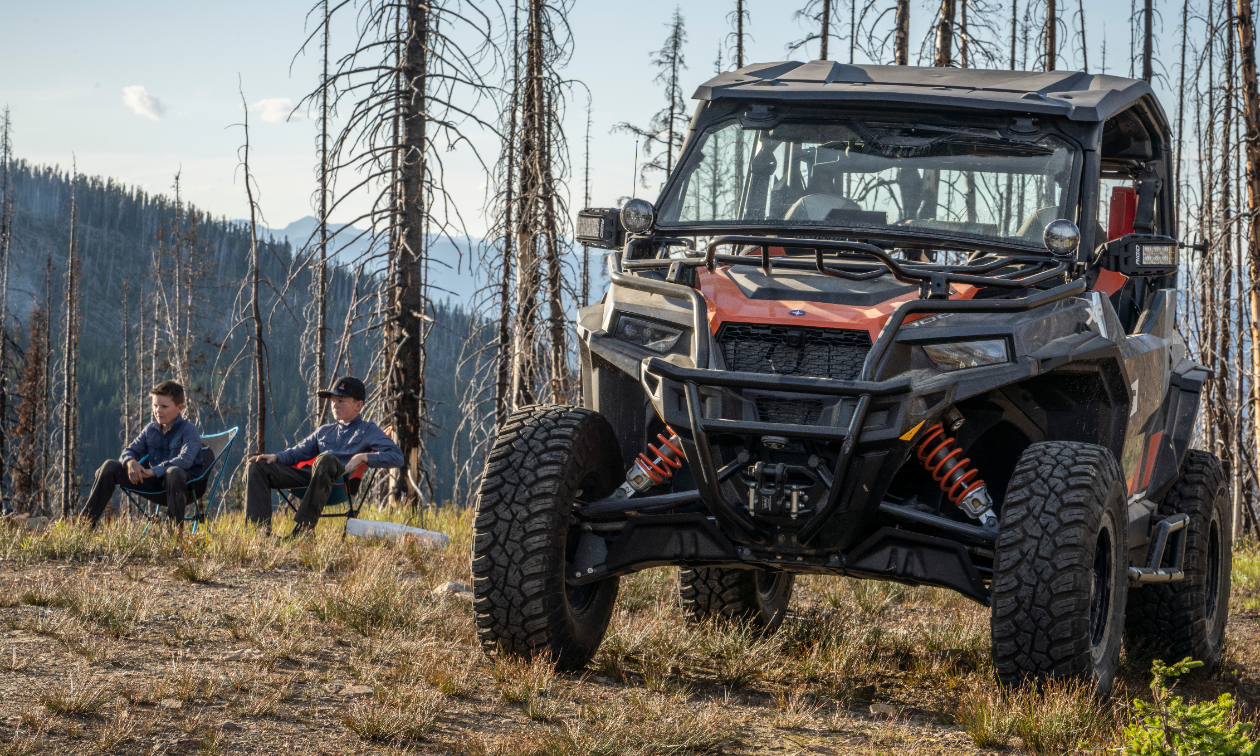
338, 447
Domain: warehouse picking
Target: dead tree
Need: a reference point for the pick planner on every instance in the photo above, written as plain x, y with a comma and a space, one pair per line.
320, 279
1181, 112
901, 47
668, 127
68, 483
541, 366
411, 89
738, 18
505, 344
1147, 40
817, 12
584, 290
944, 35
256, 347
1014, 45
1080, 13
6, 237
1245, 23
30, 435
125, 404
1052, 33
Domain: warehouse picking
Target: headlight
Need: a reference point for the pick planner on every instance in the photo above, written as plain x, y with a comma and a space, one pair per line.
637, 216
646, 334
967, 354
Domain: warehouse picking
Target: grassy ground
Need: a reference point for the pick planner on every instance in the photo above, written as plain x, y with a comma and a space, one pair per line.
114, 642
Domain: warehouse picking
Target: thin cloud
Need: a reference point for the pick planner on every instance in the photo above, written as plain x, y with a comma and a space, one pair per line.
276, 110
142, 103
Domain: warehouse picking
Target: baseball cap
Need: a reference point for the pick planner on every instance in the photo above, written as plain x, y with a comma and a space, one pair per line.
346, 386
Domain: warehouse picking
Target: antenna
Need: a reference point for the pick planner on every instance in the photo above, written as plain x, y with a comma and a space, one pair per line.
636, 166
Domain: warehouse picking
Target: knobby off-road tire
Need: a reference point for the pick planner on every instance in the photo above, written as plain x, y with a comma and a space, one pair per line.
1060, 578
1175, 620
759, 597
544, 458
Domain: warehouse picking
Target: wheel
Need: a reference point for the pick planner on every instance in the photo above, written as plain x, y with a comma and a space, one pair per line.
1060, 576
544, 458
759, 597
1175, 620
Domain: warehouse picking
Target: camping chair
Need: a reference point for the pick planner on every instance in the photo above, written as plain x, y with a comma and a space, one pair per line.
214, 449
344, 490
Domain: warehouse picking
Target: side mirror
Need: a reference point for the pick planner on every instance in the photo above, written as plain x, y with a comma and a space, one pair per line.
1145, 255
1061, 237
600, 227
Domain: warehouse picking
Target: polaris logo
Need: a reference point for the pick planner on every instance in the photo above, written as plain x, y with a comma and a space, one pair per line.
796, 313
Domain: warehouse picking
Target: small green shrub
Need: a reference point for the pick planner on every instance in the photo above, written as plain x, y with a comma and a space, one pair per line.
1168, 725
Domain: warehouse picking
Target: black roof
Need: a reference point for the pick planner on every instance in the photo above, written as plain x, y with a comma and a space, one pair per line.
1072, 94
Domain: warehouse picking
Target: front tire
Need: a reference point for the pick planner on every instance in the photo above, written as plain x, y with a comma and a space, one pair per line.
758, 597
544, 458
1175, 620
1060, 578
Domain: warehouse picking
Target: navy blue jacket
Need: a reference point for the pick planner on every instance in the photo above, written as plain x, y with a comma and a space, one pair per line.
345, 440
180, 447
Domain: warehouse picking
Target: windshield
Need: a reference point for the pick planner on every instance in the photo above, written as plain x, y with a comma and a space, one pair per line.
885, 176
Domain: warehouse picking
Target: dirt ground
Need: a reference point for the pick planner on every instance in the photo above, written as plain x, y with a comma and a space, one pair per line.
119, 643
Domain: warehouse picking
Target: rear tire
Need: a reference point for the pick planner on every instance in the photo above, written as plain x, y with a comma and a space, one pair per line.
758, 597
1174, 620
544, 458
1061, 574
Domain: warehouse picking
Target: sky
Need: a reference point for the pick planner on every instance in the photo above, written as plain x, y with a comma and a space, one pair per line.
138, 90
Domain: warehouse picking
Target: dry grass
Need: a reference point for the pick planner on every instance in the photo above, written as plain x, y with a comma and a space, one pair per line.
406, 714
198, 569
454, 677
371, 596
117, 729
643, 727
79, 694
740, 654
329, 611
88, 642
793, 710
1051, 718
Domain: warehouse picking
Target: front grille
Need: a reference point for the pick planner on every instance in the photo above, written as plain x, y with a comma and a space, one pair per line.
790, 411
780, 350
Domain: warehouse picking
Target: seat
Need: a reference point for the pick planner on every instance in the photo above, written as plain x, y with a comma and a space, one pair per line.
214, 450
344, 490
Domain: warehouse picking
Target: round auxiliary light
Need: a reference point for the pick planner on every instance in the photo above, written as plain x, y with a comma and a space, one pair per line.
1062, 237
637, 216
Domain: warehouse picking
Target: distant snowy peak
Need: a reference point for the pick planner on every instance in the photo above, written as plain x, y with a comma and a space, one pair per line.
452, 262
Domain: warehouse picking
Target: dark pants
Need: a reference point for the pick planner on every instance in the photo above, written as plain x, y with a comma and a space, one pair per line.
262, 477
174, 484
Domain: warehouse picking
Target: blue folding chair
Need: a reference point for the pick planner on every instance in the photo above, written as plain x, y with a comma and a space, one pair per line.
214, 450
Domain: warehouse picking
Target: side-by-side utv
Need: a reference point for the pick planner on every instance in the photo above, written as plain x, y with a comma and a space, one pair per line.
907, 324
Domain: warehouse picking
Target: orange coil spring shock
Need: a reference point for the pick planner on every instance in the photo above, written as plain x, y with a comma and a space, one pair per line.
667, 460
943, 461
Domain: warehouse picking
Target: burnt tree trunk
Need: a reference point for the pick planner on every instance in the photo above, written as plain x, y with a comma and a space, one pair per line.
67, 485
1251, 117
1052, 32
406, 392
901, 42
1147, 13
825, 32
945, 35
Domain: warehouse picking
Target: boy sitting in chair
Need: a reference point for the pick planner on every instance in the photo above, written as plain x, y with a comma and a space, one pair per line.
162, 459
339, 448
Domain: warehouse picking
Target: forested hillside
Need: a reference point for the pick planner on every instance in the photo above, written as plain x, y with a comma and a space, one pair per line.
179, 273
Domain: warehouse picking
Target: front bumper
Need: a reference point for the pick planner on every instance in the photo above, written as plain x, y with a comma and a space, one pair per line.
692, 400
